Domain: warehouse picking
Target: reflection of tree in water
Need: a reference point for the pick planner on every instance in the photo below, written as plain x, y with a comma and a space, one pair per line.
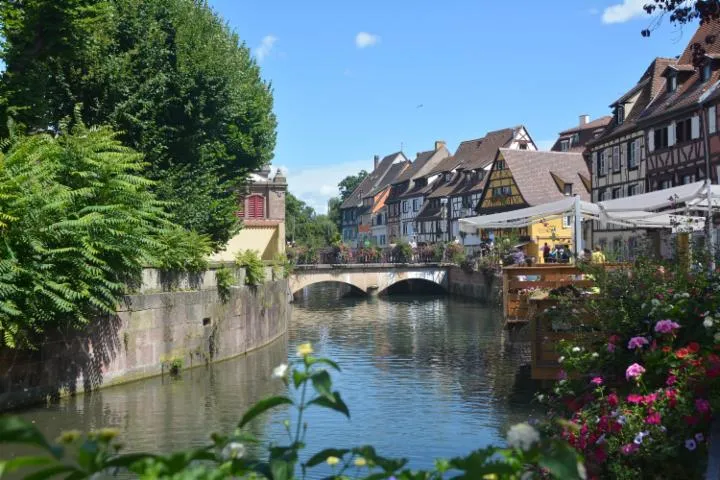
163, 413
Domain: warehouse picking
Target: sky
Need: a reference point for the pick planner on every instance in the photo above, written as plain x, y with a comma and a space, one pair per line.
356, 79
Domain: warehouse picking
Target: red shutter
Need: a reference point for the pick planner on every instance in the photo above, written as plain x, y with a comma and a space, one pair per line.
256, 207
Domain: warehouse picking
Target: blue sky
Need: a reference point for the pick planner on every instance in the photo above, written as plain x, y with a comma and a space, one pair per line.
354, 79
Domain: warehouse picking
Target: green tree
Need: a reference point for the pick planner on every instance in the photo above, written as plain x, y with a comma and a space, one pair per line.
334, 212
78, 224
168, 74
305, 227
350, 183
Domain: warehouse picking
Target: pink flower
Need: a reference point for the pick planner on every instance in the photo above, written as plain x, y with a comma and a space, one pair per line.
611, 347
653, 419
666, 326
613, 400
597, 381
629, 449
634, 371
650, 398
637, 342
671, 395
634, 398
671, 380
702, 405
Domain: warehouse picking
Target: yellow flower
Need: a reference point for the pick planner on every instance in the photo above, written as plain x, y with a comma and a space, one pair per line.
360, 462
331, 460
490, 476
304, 350
107, 434
69, 436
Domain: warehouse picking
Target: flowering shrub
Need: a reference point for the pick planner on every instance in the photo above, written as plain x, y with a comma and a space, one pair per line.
640, 399
96, 455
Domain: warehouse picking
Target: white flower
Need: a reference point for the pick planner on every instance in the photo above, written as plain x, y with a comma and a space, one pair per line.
595, 355
582, 473
561, 359
522, 436
576, 349
655, 302
708, 322
280, 371
233, 450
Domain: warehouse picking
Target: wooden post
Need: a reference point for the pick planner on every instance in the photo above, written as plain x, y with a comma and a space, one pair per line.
683, 250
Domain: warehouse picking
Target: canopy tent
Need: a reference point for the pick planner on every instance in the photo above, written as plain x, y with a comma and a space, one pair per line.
638, 211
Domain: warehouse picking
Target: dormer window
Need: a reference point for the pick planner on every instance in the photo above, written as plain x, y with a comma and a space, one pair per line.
706, 71
567, 189
620, 114
672, 82
575, 140
564, 145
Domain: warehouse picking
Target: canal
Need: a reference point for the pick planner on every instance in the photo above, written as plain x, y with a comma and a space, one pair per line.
423, 376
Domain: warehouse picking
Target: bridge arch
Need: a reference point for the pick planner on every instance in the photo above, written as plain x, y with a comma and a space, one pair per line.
369, 279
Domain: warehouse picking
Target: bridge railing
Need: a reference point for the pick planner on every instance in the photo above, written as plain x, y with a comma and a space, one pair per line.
359, 256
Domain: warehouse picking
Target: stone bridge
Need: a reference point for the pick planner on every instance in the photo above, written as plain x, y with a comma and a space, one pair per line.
370, 278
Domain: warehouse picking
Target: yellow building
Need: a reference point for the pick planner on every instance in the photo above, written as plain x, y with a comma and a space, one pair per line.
261, 207
526, 178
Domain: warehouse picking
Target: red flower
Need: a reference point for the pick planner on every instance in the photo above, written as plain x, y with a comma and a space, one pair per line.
667, 349
634, 398
653, 419
612, 400
702, 405
682, 352
694, 347
650, 398
671, 395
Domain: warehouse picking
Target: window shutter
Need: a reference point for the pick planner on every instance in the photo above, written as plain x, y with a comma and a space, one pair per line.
636, 145
695, 126
651, 141
712, 120
671, 134
616, 158
623, 154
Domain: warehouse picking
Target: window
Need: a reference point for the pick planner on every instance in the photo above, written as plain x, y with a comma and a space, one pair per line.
660, 137
502, 191
633, 150
567, 189
688, 179
602, 196
404, 228
500, 165
632, 190
665, 184
712, 119
382, 240
601, 163
616, 158
417, 203
620, 114
616, 192
256, 206
567, 221
672, 82
706, 72
575, 140
523, 146
683, 130
564, 145
405, 206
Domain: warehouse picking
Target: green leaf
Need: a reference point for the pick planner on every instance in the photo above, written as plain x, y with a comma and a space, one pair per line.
16, 430
280, 469
336, 403
125, 461
323, 384
561, 460
322, 455
10, 466
263, 406
325, 361
50, 472
299, 377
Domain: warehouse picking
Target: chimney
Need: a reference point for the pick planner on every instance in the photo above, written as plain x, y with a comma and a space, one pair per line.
439, 144
584, 119
376, 159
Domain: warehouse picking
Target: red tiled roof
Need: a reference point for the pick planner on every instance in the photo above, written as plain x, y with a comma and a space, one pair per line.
371, 181
480, 152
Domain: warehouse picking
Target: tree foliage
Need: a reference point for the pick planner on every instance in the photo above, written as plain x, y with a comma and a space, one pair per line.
78, 223
348, 184
168, 75
304, 227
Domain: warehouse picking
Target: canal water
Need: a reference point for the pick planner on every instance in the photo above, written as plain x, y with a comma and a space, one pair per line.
424, 377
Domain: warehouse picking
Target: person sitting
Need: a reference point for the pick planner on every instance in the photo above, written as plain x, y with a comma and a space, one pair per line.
598, 256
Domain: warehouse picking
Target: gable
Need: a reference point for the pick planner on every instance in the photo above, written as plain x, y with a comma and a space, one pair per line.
501, 190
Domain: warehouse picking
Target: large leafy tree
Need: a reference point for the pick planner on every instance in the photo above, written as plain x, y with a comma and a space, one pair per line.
168, 75
305, 227
348, 184
77, 224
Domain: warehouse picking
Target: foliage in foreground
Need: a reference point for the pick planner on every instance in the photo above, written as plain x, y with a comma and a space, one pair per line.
78, 456
639, 388
253, 265
78, 224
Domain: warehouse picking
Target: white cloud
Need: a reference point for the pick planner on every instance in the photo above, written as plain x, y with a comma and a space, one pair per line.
622, 12
316, 185
364, 39
265, 47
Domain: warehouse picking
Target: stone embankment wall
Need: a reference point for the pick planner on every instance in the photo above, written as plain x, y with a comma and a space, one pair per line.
173, 321
482, 286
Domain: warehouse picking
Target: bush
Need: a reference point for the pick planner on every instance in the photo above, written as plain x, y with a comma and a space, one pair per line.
253, 265
402, 252
181, 250
455, 253
225, 279
282, 266
96, 455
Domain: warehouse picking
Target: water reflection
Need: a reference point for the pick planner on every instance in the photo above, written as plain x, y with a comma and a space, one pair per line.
424, 377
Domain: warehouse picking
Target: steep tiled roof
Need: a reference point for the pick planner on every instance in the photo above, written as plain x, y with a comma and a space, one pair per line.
578, 137
369, 182
480, 152
393, 172
690, 85
647, 88
425, 163
533, 173
597, 123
